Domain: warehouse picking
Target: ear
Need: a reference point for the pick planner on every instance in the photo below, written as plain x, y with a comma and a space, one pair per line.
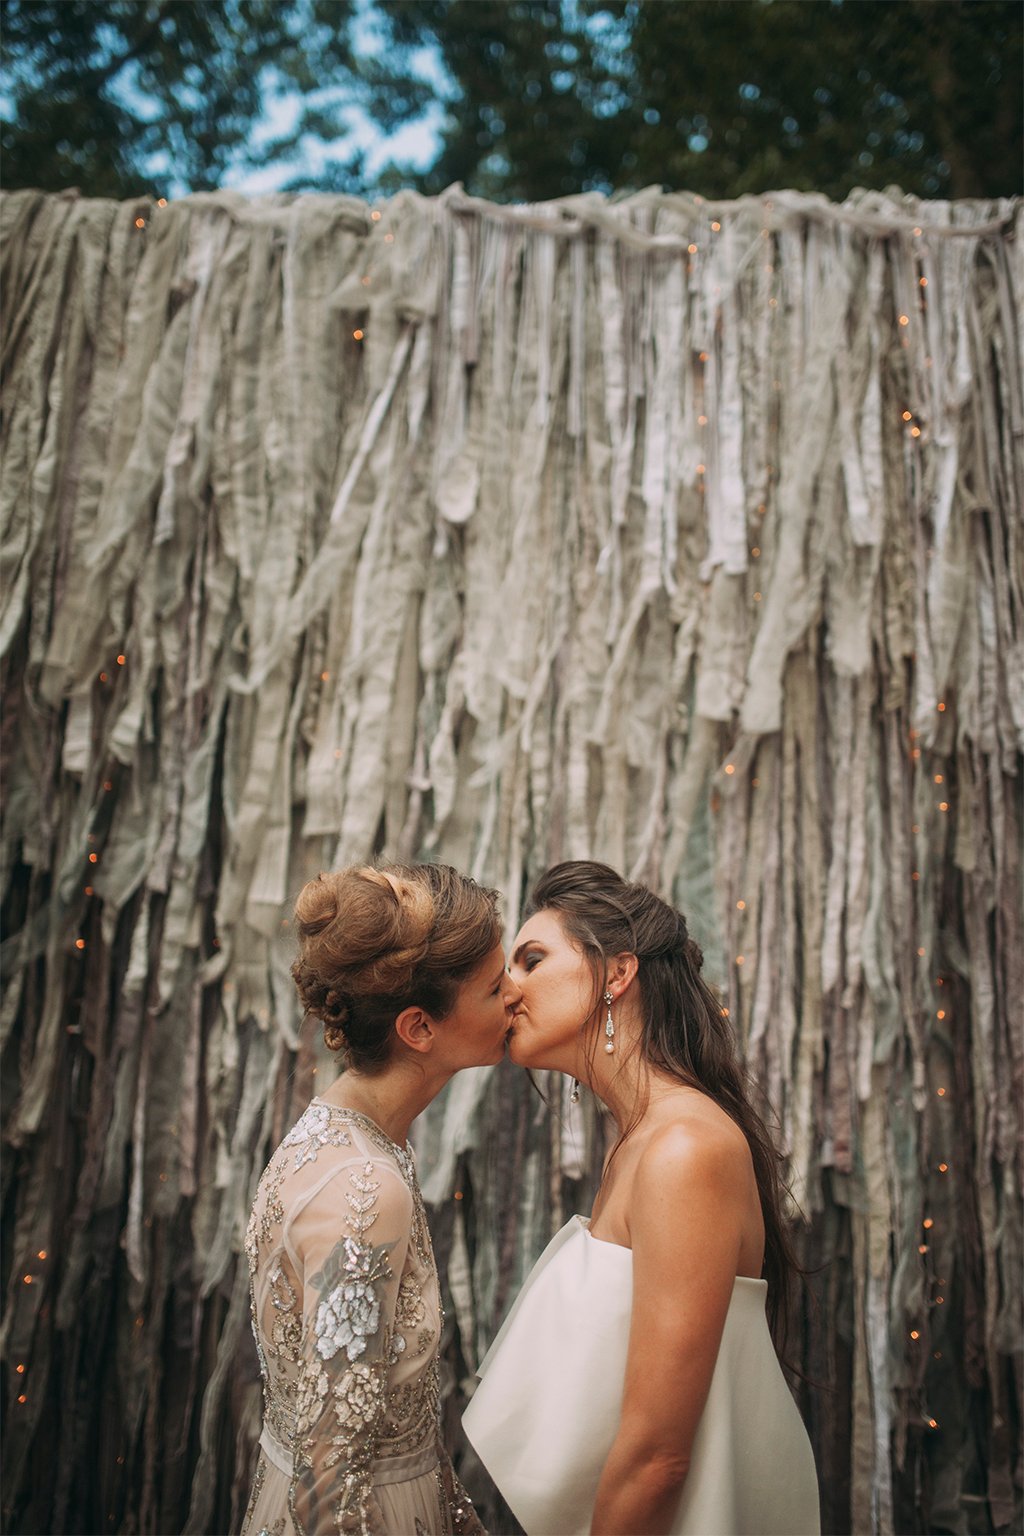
415, 1028
620, 972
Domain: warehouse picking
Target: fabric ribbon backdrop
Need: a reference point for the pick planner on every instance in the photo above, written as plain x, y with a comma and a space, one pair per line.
682, 535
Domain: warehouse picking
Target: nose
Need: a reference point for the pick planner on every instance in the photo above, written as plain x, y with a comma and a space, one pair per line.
511, 993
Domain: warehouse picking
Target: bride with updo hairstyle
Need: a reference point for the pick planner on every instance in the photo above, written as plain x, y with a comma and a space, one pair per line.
635, 1386
404, 967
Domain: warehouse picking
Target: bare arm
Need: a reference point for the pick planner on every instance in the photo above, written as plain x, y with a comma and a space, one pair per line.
690, 1198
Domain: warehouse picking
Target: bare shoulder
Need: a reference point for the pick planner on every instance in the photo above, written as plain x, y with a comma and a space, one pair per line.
700, 1155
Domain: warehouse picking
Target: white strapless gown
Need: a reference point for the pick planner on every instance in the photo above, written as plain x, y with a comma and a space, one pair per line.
547, 1408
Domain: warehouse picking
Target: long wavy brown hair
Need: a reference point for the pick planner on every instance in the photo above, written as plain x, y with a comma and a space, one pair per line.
685, 1032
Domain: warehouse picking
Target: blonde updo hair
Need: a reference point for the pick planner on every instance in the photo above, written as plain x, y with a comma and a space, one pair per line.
373, 941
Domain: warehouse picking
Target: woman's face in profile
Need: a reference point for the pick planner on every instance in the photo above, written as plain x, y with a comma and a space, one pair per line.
473, 1034
557, 995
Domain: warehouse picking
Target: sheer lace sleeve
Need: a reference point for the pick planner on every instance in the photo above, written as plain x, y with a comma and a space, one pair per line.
350, 1241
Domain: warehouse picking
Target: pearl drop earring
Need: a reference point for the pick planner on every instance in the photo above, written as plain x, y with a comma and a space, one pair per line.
609, 1025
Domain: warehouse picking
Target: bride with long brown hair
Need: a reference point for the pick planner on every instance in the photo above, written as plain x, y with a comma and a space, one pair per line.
404, 966
635, 1387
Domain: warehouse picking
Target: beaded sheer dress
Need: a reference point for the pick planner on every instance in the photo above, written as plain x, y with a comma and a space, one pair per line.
347, 1317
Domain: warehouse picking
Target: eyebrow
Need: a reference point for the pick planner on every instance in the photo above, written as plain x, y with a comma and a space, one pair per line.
521, 949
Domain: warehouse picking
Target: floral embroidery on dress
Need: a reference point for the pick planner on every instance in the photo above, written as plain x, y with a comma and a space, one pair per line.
314, 1130
358, 1397
409, 1310
350, 1313
346, 1312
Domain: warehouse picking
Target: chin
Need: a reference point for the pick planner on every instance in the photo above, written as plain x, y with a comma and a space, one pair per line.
519, 1053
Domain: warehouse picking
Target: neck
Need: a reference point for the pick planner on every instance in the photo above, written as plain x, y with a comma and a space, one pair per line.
391, 1098
618, 1080
622, 1078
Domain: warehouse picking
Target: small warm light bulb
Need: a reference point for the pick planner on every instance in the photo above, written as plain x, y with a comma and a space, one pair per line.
739, 959
715, 225
904, 319
700, 469
921, 953
703, 357
20, 1370
943, 1167
941, 708
79, 943
357, 335
922, 1247
375, 216
458, 1194
928, 1223
933, 1423
907, 416
756, 553
941, 1013
324, 677
42, 1253
757, 597
26, 1279
915, 431
730, 767
702, 421
692, 249
161, 202
140, 223
741, 906
94, 858
943, 805
923, 282
914, 1333
941, 1092
917, 232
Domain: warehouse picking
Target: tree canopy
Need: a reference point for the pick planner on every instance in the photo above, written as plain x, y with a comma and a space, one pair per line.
541, 97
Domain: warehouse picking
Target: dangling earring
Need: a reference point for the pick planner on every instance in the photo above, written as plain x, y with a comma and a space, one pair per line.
574, 1097
609, 1025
